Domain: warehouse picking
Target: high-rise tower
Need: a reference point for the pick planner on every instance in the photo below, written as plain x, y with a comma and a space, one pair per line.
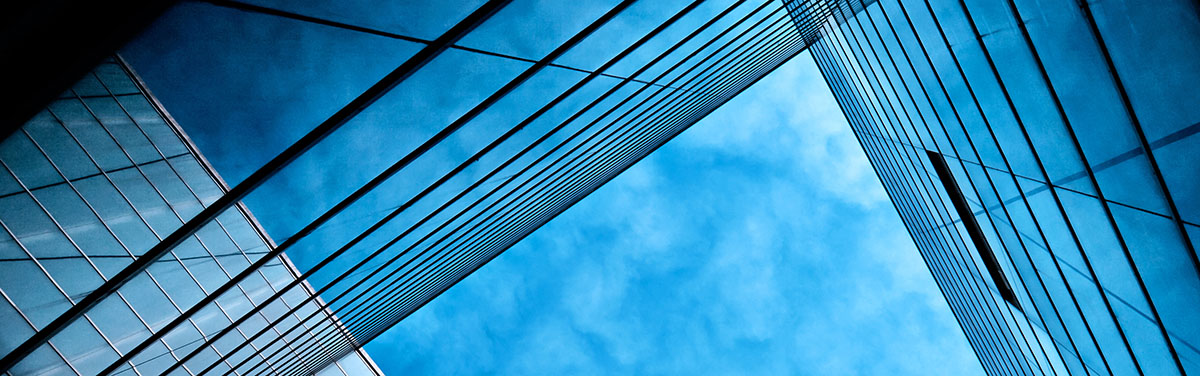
1043, 155
92, 182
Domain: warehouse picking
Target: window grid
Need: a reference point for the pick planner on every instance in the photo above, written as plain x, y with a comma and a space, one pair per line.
171, 164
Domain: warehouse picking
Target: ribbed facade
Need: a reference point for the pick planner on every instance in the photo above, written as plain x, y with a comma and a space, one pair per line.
1043, 155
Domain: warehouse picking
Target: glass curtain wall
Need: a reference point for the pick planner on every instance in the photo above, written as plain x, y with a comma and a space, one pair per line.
1057, 137
91, 183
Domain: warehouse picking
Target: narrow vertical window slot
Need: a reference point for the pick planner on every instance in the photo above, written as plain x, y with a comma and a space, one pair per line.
972, 227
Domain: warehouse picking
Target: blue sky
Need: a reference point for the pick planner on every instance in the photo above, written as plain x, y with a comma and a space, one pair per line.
759, 241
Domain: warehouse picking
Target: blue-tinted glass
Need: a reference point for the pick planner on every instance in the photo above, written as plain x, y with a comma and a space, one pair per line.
177, 194
146, 201
1098, 318
153, 360
148, 301
388, 130
85, 229
116, 120
15, 326
43, 361
73, 275
33, 228
117, 214
115, 79
9, 249
96, 140
85, 349
176, 282
512, 29
1166, 268
1153, 49
194, 175
54, 140
118, 323
1178, 161
89, 85
31, 291
237, 64
1131, 182
1146, 340
152, 124
27, 163
1102, 248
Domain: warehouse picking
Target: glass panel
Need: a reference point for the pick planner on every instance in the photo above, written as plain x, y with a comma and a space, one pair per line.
355, 365
27, 163
127, 134
115, 78
43, 361
1167, 270
531, 28
70, 211
218, 242
118, 323
15, 326
152, 123
1098, 318
153, 360
33, 228
409, 17
74, 275
196, 178
117, 214
1147, 342
168, 184
88, 86
1102, 249
31, 291
9, 250
1154, 51
66, 154
146, 201
176, 282
148, 301
1178, 161
84, 348
98, 143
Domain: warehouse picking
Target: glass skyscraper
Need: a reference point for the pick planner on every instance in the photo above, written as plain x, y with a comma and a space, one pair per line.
89, 184
483, 124
1042, 154
1044, 157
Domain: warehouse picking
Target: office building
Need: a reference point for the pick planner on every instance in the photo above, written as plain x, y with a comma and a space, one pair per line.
510, 134
90, 183
1043, 156
1041, 153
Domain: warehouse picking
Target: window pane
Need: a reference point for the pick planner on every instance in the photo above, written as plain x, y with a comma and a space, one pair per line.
33, 228
84, 348
32, 292
27, 163
66, 154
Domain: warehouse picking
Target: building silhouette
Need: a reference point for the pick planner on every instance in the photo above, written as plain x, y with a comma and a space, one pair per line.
1046, 170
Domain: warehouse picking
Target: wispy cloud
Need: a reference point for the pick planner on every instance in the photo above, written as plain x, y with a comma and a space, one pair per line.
757, 242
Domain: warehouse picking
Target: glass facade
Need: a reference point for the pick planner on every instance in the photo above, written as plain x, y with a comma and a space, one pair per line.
1043, 155
91, 183
393, 148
